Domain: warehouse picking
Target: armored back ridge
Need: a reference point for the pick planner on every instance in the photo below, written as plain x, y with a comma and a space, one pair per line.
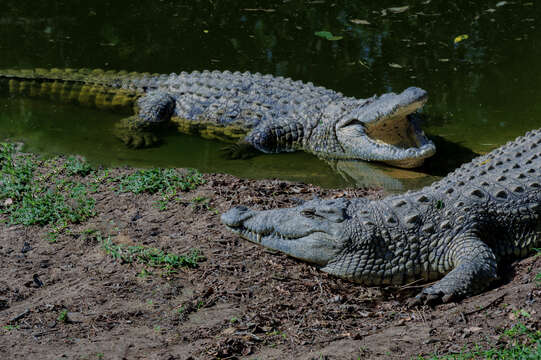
270, 114
458, 228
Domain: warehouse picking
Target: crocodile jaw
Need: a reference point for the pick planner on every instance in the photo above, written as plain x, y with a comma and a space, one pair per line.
385, 129
313, 232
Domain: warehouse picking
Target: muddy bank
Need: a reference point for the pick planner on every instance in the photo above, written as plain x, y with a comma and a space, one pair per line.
71, 296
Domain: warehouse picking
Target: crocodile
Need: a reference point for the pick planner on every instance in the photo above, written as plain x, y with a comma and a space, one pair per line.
270, 114
456, 230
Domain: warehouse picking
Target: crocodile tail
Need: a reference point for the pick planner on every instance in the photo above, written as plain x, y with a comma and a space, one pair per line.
92, 88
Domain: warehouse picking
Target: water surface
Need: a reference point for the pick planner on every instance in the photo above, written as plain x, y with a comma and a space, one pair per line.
484, 90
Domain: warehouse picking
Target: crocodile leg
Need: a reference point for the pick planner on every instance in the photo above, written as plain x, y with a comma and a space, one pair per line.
280, 135
270, 137
474, 269
151, 110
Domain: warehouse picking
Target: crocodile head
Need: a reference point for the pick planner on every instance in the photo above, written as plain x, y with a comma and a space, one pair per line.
314, 231
384, 129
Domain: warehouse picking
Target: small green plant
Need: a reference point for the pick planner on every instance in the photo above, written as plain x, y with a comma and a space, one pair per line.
63, 316
160, 180
28, 200
521, 313
538, 275
99, 177
516, 347
144, 273
167, 182
151, 257
69, 202
75, 166
15, 174
162, 204
277, 333
203, 202
6, 151
10, 327
52, 236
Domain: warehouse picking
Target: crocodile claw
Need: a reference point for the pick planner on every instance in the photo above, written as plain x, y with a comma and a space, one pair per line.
136, 139
428, 297
241, 150
128, 131
142, 140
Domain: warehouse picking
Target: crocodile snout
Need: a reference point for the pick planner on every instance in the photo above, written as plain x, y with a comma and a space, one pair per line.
236, 216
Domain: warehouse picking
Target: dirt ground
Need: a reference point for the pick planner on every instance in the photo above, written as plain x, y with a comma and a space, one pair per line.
242, 301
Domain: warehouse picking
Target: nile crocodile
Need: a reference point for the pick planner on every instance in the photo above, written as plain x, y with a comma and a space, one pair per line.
458, 228
270, 114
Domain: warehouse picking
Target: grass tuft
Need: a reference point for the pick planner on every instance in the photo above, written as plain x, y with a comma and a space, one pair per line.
167, 182
150, 256
28, 200
75, 166
520, 343
160, 180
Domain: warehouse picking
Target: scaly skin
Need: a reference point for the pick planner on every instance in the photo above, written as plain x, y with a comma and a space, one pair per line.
459, 228
271, 114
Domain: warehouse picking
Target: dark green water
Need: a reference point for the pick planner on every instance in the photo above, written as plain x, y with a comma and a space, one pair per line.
484, 90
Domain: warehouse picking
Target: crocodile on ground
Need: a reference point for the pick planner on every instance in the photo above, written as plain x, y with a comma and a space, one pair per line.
458, 229
270, 114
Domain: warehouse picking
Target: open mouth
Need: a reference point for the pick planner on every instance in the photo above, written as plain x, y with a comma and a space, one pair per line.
399, 128
388, 126
400, 135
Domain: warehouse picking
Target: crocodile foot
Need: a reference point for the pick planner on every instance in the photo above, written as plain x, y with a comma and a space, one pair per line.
430, 296
138, 140
130, 132
241, 150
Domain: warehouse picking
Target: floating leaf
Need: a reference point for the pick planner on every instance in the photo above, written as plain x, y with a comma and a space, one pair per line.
323, 34
327, 35
396, 66
359, 22
460, 38
260, 9
398, 10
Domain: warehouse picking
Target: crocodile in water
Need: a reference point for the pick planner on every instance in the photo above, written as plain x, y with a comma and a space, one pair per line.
271, 114
458, 229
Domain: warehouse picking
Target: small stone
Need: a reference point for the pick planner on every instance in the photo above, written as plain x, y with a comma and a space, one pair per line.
74, 317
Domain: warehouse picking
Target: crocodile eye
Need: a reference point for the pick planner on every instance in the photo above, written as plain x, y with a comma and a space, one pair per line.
309, 213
